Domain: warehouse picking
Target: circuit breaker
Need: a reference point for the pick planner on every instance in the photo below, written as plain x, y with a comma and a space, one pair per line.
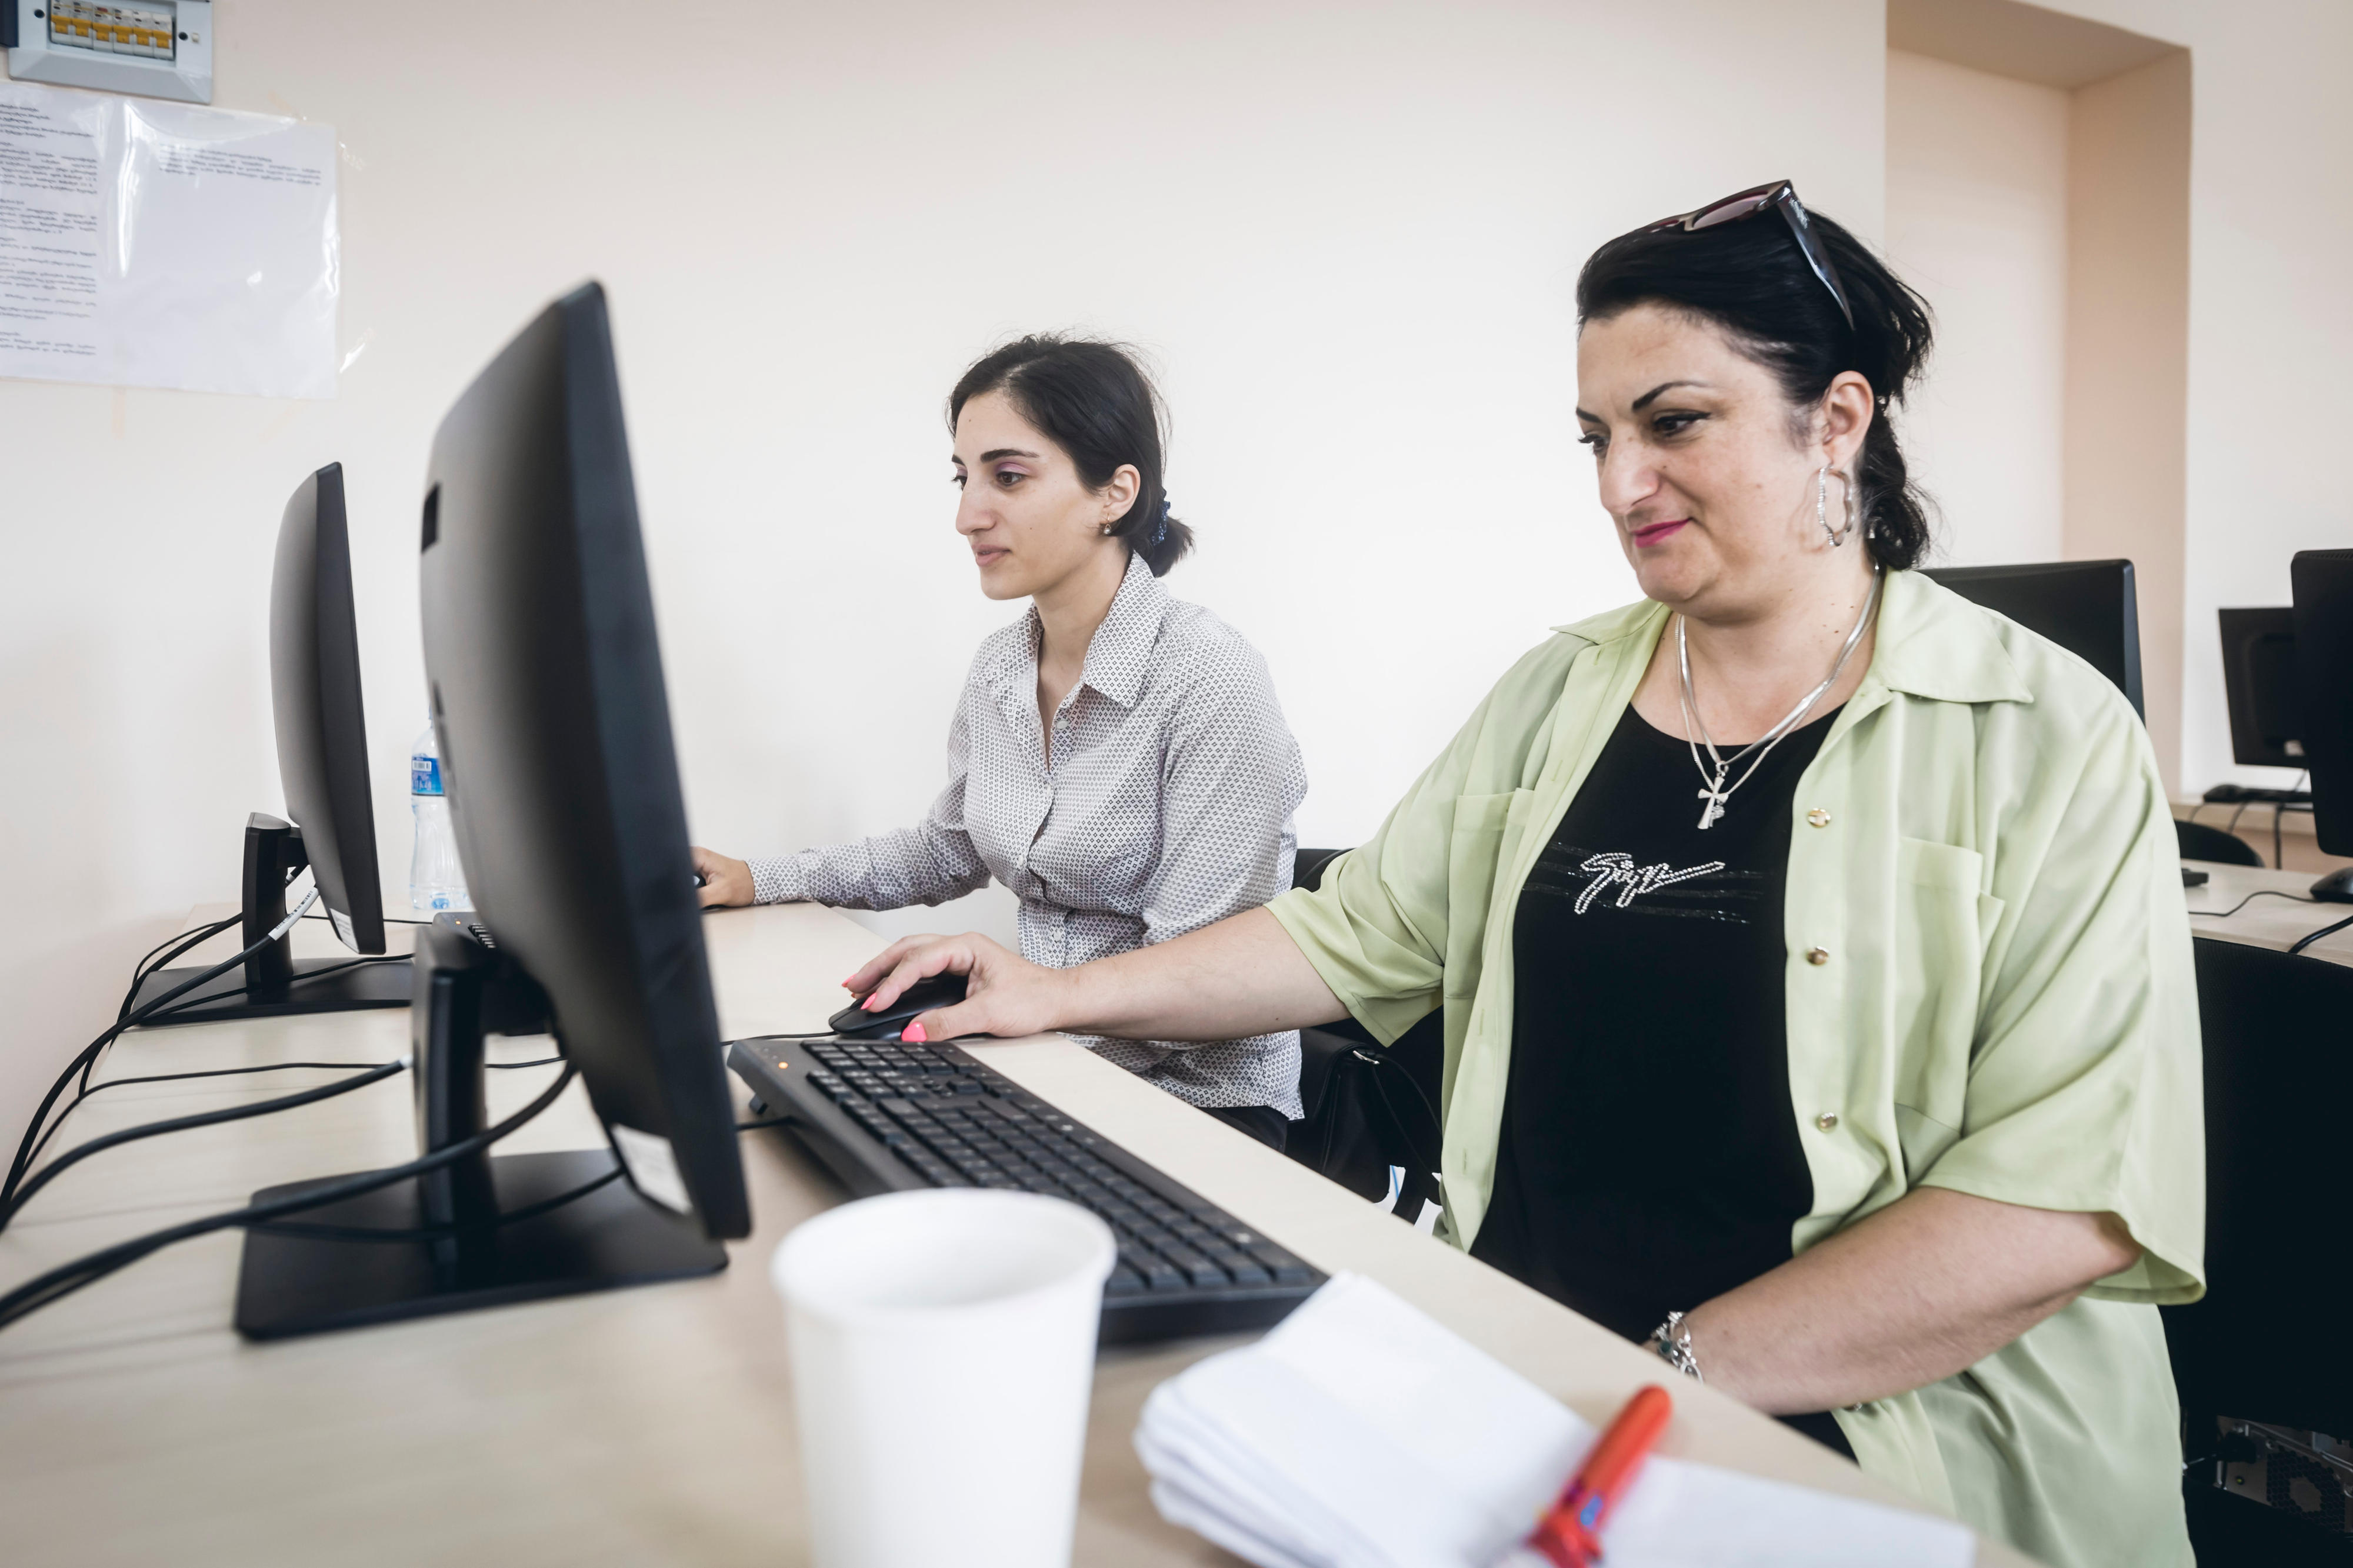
160, 48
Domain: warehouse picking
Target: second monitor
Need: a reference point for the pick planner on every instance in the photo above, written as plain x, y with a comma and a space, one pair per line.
322, 732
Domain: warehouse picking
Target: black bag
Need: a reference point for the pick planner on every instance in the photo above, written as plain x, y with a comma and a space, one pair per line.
1371, 1108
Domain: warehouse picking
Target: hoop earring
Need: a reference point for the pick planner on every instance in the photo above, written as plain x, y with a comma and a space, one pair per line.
1837, 536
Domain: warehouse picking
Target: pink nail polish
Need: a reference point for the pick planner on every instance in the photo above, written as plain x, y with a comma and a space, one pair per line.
913, 1034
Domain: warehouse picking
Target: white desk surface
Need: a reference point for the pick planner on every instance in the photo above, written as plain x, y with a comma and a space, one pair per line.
650, 1426
2275, 921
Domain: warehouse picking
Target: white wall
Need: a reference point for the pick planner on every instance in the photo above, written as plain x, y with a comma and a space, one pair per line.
1976, 221
1346, 232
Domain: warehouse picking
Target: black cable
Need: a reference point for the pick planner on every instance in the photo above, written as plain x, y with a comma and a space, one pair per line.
90, 1054
510, 1067
388, 920
2233, 827
34, 1182
2250, 898
150, 1015
512, 1216
149, 963
210, 997
432, 1232
63, 1280
75, 1103
2304, 941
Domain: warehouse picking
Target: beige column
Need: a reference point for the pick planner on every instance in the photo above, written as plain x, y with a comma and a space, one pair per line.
2128, 356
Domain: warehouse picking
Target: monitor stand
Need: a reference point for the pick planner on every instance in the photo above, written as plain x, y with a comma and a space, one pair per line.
295, 1280
274, 983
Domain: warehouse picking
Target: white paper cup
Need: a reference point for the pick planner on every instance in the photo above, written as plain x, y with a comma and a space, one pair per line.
943, 1352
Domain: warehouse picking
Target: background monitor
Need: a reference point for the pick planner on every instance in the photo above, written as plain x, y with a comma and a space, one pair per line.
546, 686
2259, 681
2085, 607
314, 688
322, 766
2323, 584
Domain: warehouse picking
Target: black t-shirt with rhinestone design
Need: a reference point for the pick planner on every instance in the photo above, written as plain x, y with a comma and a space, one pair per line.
1650, 1157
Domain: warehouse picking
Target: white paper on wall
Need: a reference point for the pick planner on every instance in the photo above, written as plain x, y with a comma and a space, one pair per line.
147, 244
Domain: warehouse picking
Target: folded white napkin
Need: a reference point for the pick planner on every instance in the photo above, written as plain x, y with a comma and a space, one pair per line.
1362, 1434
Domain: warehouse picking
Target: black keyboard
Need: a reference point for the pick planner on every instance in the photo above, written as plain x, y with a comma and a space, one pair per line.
886, 1117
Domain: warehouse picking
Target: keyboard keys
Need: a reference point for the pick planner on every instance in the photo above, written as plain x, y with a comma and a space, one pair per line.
1158, 1273
1286, 1270
1242, 1268
957, 1123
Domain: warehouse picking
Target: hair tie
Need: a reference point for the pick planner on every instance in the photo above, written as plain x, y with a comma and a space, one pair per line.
1160, 527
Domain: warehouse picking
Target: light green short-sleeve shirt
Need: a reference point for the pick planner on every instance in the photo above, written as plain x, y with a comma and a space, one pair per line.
2006, 1007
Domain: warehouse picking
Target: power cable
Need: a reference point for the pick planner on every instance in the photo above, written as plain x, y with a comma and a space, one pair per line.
2250, 898
2306, 941
34, 1182
66, 1279
88, 1057
434, 1232
75, 1103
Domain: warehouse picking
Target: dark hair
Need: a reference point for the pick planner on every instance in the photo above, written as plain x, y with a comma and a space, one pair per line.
1095, 403
1750, 278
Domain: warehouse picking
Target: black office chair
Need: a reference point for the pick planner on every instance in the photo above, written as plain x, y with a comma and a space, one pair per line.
2200, 841
1369, 1109
2268, 1343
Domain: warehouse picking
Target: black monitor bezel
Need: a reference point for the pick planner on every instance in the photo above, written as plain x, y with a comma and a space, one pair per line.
317, 710
2322, 581
2114, 579
565, 654
2242, 630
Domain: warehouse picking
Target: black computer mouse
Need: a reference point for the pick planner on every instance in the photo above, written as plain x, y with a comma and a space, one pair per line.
856, 1023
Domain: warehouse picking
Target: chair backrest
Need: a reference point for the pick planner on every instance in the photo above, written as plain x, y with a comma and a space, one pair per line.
1308, 867
2087, 607
1368, 1107
2201, 841
2267, 1342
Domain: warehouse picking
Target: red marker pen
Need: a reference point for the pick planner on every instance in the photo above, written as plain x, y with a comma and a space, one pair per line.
1571, 1535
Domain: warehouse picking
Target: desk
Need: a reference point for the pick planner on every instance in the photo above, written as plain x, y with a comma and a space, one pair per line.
2275, 922
629, 1428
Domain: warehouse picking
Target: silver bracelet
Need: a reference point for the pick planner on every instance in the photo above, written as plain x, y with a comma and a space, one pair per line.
1672, 1340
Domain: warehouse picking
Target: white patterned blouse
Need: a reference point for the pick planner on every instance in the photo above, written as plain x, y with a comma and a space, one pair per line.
1166, 806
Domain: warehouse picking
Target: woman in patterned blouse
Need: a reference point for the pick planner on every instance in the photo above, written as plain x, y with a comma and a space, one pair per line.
1118, 758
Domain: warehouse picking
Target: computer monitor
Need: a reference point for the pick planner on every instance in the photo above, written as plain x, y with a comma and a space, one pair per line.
545, 681
2259, 682
2322, 581
322, 766
2087, 607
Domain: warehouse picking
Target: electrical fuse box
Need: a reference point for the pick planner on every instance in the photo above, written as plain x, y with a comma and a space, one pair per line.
159, 49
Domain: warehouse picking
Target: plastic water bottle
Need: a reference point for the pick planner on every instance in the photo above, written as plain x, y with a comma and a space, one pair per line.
435, 879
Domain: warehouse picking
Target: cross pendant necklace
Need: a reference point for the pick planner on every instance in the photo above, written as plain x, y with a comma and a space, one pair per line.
1718, 792
1714, 795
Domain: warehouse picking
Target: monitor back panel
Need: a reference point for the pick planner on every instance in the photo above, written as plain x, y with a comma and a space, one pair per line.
2087, 607
321, 730
546, 685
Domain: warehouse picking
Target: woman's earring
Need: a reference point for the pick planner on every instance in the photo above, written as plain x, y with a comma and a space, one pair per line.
1837, 536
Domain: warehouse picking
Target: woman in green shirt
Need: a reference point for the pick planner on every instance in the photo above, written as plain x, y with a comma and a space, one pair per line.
1870, 1064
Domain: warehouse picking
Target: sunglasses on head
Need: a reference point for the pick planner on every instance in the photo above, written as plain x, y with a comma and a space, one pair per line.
1780, 197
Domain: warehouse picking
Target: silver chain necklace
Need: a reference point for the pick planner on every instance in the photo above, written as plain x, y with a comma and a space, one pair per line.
1717, 792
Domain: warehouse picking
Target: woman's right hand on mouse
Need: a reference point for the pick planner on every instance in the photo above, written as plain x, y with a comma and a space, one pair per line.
726, 881
1005, 994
